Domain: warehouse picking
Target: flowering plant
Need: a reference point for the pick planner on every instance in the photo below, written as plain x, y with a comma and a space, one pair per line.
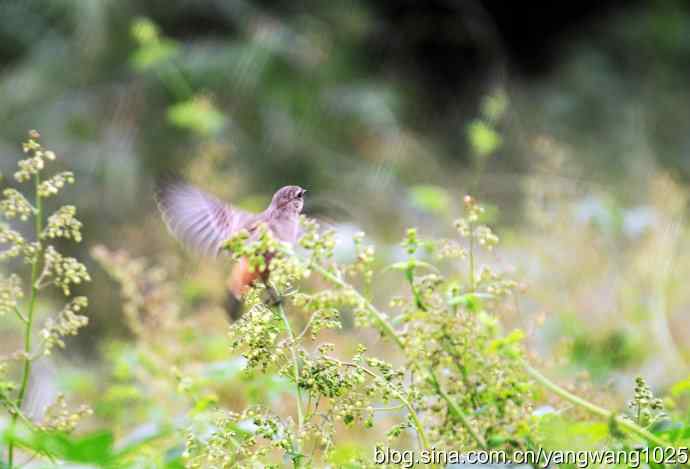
47, 267
453, 376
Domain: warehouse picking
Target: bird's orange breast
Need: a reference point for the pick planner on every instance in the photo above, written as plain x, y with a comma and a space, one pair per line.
241, 278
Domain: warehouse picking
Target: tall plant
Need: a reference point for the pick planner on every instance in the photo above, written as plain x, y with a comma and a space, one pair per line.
46, 267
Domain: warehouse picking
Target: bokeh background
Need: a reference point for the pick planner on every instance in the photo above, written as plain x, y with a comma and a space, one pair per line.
571, 122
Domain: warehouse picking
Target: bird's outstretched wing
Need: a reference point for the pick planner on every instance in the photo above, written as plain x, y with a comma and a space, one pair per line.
199, 220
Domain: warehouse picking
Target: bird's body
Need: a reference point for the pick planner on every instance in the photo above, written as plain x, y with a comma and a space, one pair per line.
203, 223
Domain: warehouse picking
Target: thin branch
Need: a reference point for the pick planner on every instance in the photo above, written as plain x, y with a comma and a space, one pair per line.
295, 359
305, 330
593, 408
390, 332
38, 226
413, 414
455, 409
20, 315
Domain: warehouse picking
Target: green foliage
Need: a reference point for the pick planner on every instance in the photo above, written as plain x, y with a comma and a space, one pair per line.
456, 378
198, 115
432, 199
455, 391
483, 138
616, 351
458, 381
153, 50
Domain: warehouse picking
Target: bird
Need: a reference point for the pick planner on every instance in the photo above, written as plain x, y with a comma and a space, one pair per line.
203, 223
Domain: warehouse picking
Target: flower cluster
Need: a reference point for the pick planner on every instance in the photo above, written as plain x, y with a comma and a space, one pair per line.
240, 440
63, 224
35, 160
66, 323
323, 318
645, 409
59, 417
256, 335
364, 261
449, 249
10, 292
63, 271
328, 303
494, 284
53, 185
470, 225
319, 244
14, 239
14, 205
7, 387
150, 304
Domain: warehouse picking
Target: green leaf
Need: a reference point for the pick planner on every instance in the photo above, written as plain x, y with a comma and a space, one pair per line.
432, 199
471, 301
483, 138
405, 266
561, 432
680, 388
346, 455
205, 402
95, 448
198, 115
141, 437
508, 345
153, 55
173, 458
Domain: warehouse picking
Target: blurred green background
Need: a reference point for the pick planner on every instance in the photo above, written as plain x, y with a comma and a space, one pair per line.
572, 123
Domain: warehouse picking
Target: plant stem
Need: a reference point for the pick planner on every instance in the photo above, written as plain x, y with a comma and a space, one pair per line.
457, 411
373, 311
593, 408
471, 258
38, 224
296, 459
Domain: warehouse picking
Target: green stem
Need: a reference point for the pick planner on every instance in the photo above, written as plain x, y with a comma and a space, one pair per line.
373, 311
29, 317
296, 460
457, 412
593, 408
471, 258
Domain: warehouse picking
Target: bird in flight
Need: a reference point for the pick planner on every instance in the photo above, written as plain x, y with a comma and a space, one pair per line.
204, 223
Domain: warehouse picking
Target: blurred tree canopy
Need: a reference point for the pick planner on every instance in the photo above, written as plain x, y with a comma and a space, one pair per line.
298, 90
355, 100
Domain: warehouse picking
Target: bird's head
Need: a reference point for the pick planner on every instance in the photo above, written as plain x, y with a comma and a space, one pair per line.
289, 199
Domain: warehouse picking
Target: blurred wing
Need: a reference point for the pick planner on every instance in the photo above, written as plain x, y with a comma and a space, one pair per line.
199, 220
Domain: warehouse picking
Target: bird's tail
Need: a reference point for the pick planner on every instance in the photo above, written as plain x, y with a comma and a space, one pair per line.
234, 306
241, 279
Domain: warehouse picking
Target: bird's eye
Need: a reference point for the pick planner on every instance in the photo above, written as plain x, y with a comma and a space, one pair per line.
300, 194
